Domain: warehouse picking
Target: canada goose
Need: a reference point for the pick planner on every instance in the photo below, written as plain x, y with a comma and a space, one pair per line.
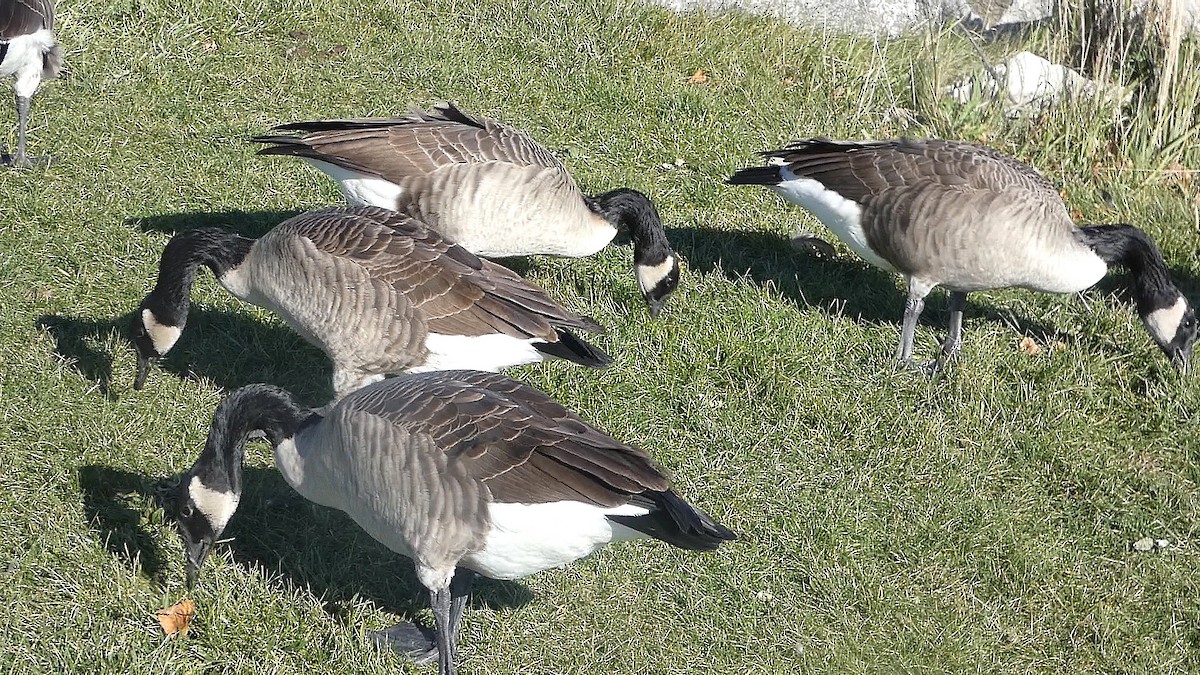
378, 291
969, 218
28, 53
484, 184
465, 472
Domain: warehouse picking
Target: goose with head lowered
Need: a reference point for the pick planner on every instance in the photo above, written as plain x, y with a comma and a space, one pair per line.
486, 185
968, 218
376, 290
464, 472
28, 54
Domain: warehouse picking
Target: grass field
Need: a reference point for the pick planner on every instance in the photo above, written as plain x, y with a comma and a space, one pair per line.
976, 521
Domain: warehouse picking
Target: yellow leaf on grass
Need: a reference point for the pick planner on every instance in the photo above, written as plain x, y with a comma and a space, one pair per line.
1028, 346
698, 77
177, 617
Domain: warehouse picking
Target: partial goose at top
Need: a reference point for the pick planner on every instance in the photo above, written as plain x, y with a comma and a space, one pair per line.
29, 54
484, 184
376, 290
968, 218
464, 472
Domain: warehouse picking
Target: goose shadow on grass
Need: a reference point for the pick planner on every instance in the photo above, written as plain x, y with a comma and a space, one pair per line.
274, 531
848, 286
252, 224
230, 349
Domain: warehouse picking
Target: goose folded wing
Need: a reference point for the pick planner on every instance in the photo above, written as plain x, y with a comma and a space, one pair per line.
523, 445
400, 149
458, 292
25, 17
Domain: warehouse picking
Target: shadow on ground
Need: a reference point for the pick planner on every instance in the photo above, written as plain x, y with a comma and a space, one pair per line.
251, 224
842, 285
276, 532
230, 349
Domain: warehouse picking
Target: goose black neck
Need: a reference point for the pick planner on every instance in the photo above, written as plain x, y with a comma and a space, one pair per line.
1123, 244
220, 250
629, 209
256, 407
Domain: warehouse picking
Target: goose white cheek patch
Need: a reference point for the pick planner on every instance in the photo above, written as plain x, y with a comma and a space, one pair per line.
648, 276
1164, 323
217, 506
163, 336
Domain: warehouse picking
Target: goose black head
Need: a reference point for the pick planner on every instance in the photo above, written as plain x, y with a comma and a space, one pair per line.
152, 338
1173, 326
204, 510
657, 281
655, 264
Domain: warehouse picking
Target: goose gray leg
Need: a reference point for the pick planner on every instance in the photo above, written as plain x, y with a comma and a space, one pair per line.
917, 290
441, 602
953, 344
419, 644
460, 590
19, 160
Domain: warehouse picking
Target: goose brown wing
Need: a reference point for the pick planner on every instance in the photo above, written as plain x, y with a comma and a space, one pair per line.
401, 148
455, 291
24, 17
862, 170
515, 439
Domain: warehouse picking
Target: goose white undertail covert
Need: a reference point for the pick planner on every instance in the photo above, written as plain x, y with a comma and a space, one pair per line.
376, 290
486, 185
29, 54
968, 218
464, 472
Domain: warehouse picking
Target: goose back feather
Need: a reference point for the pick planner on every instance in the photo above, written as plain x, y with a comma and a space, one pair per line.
482, 183
380, 292
462, 471
968, 218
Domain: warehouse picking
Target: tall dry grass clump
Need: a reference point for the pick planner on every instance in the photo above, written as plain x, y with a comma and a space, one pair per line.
1144, 47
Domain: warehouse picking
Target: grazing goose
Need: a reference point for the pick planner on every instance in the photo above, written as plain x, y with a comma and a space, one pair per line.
28, 53
465, 472
484, 184
378, 291
968, 218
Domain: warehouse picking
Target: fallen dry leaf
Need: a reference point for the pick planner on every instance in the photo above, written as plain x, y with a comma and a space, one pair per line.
698, 77
1028, 346
177, 617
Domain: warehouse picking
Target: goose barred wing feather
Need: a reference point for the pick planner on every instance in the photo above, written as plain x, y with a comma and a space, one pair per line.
861, 170
25, 17
399, 149
524, 446
457, 292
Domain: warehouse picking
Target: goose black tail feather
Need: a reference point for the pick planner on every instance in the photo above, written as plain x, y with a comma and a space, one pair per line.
756, 175
294, 146
678, 523
574, 349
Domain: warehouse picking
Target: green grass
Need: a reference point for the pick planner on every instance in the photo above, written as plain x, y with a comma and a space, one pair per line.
979, 521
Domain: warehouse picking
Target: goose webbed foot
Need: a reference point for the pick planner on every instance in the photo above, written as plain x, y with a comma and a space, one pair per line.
924, 367
23, 161
416, 643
